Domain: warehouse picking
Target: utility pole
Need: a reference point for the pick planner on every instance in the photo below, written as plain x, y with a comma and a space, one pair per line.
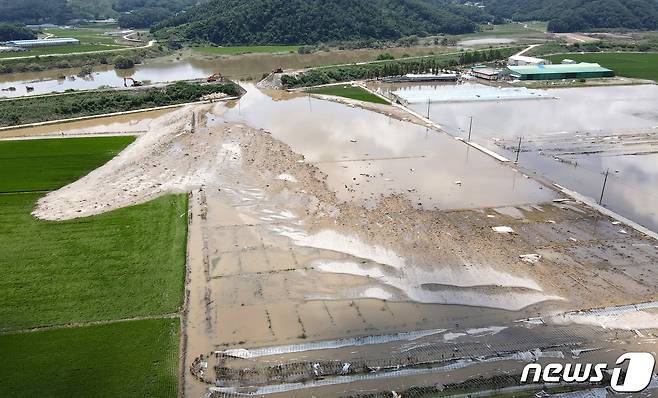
470, 128
518, 150
605, 180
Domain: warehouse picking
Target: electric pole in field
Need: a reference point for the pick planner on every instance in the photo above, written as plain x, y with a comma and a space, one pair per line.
605, 180
470, 128
518, 150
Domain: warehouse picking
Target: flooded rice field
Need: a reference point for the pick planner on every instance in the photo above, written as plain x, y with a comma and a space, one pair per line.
131, 124
466, 92
338, 251
572, 140
194, 66
368, 155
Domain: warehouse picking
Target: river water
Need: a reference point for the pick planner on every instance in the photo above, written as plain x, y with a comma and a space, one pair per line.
189, 67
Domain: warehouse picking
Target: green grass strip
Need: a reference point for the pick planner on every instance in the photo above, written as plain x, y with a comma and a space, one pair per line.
34, 165
126, 263
128, 359
635, 65
352, 92
121, 264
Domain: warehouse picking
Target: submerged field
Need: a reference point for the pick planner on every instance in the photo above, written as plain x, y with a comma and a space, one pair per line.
246, 49
356, 93
636, 65
63, 275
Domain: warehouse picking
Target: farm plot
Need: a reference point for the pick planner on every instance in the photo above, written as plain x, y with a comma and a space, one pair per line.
636, 65
89, 306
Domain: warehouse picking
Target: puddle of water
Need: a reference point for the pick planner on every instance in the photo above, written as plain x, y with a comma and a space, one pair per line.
478, 286
367, 155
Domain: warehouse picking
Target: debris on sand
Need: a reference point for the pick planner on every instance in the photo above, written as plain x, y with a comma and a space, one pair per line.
530, 258
503, 230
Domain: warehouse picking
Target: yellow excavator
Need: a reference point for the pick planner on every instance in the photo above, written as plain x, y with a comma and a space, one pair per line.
215, 77
133, 82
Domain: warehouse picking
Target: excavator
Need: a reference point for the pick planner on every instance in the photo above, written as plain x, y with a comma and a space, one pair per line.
215, 77
134, 83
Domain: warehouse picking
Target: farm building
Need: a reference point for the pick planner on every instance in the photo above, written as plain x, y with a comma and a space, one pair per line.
486, 73
517, 60
561, 71
42, 42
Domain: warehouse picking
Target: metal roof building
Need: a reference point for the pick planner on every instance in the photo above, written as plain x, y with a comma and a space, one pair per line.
561, 71
43, 42
518, 60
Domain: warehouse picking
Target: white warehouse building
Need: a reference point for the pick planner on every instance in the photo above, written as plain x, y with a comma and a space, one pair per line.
42, 42
519, 60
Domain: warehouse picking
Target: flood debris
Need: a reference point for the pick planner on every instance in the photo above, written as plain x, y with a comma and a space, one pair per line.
532, 258
503, 229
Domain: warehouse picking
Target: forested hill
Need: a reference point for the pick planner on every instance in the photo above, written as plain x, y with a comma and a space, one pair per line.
229, 22
575, 15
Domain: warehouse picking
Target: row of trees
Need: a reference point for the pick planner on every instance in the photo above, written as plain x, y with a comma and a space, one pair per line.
399, 67
15, 32
31, 110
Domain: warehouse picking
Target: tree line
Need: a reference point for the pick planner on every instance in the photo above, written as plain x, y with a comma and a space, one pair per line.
40, 109
579, 15
240, 22
130, 13
15, 32
433, 64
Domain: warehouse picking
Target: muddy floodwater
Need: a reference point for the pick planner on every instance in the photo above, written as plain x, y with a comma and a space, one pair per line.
572, 139
196, 66
368, 155
131, 124
334, 250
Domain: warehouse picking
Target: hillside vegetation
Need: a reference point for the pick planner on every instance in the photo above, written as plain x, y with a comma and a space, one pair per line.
579, 15
130, 13
238, 22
